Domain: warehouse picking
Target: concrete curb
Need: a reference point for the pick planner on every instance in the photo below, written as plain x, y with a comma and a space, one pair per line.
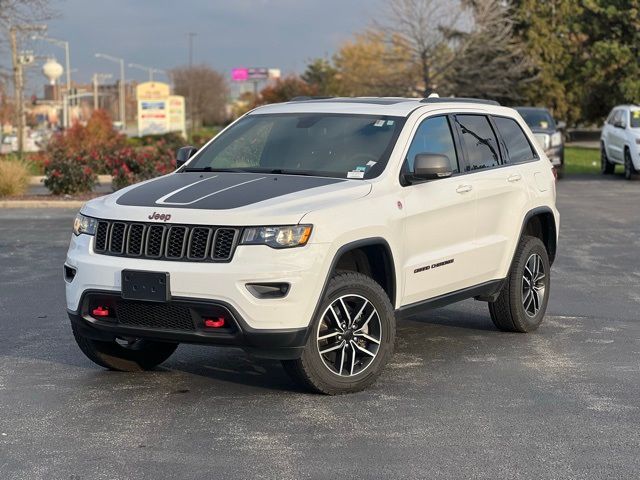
39, 179
75, 204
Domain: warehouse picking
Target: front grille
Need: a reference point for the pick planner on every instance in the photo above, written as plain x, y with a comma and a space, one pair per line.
192, 243
150, 315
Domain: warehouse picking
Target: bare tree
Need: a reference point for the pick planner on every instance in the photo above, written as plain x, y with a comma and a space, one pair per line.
209, 92
422, 26
490, 62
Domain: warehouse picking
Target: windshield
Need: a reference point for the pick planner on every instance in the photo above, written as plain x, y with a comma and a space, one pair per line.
323, 144
537, 118
635, 119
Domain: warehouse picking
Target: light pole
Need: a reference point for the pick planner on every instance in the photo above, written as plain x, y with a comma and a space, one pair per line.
123, 117
190, 80
149, 70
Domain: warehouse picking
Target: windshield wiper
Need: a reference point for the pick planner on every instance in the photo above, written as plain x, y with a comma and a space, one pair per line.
211, 169
281, 171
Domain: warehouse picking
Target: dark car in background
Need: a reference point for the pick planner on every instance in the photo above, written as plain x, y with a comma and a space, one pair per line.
548, 133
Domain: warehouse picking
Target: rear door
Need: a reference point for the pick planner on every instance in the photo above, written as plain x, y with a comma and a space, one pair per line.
495, 168
616, 136
439, 219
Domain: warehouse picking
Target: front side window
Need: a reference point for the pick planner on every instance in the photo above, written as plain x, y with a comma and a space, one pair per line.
479, 142
635, 119
433, 136
515, 141
323, 144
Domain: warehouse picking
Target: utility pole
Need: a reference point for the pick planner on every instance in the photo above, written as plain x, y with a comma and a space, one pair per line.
191, 79
149, 70
18, 79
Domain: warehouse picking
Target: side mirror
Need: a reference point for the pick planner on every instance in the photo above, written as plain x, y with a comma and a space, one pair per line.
184, 154
561, 125
430, 166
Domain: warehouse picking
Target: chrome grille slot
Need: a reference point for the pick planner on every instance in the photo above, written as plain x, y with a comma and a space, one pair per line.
194, 243
155, 241
223, 243
102, 237
135, 239
176, 242
116, 237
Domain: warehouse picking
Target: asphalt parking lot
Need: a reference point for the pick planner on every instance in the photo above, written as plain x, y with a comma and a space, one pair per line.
459, 400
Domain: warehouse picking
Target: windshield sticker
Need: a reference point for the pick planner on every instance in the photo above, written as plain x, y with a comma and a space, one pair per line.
355, 174
361, 169
544, 124
371, 163
390, 122
379, 123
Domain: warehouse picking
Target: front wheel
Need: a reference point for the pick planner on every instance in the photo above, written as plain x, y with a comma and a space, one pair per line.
124, 355
350, 340
606, 167
630, 171
522, 302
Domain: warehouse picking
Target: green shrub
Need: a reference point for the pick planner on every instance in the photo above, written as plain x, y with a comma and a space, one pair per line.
14, 177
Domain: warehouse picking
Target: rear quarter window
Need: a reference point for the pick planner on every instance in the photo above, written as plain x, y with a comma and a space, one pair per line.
514, 140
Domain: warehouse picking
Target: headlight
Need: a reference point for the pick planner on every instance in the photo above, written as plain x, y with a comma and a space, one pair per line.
277, 237
84, 224
556, 139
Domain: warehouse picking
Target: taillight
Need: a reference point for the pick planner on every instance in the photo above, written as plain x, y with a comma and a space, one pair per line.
214, 322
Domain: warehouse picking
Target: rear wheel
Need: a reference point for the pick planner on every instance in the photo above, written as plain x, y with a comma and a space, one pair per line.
606, 167
522, 302
630, 171
351, 339
125, 355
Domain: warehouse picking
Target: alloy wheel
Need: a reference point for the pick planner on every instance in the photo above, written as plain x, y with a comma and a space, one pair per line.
349, 335
533, 285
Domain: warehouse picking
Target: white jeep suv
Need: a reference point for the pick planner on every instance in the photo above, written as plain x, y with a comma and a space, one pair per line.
305, 229
620, 141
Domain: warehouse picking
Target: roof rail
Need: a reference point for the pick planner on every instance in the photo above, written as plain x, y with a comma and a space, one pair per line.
458, 100
303, 98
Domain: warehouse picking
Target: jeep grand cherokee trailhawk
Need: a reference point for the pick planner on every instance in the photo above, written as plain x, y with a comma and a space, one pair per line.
305, 229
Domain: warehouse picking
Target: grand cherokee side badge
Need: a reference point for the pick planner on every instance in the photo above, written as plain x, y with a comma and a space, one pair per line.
164, 217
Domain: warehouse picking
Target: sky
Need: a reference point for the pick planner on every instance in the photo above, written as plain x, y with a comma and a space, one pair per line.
283, 34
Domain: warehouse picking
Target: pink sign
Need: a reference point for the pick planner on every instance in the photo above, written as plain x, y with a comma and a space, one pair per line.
240, 74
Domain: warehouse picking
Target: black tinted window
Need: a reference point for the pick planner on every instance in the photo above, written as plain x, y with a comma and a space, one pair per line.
433, 136
479, 142
515, 141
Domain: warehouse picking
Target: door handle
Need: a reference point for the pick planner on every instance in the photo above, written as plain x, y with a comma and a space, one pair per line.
516, 177
464, 188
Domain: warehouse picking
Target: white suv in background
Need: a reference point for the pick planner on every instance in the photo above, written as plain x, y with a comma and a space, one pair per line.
305, 229
620, 141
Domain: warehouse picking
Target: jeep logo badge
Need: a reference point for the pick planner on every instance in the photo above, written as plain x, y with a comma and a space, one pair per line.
164, 217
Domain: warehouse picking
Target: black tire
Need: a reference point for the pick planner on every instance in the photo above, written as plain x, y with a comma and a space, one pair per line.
311, 371
630, 171
139, 355
606, 167
509, 312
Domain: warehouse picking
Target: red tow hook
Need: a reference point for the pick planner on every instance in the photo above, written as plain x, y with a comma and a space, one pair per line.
100, 311
214, 323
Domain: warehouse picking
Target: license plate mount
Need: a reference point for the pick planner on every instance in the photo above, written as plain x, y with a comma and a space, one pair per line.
147, 286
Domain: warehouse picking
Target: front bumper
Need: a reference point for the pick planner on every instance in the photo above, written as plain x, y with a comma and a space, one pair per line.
304, 269
278, 344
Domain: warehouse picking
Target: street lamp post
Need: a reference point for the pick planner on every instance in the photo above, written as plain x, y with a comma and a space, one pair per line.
149, 70
123, 117
97, 77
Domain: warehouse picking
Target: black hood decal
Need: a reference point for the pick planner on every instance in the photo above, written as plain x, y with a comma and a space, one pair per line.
217, 190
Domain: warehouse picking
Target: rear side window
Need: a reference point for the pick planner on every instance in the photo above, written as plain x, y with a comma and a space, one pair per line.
479, 142
515, 141
433, 136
